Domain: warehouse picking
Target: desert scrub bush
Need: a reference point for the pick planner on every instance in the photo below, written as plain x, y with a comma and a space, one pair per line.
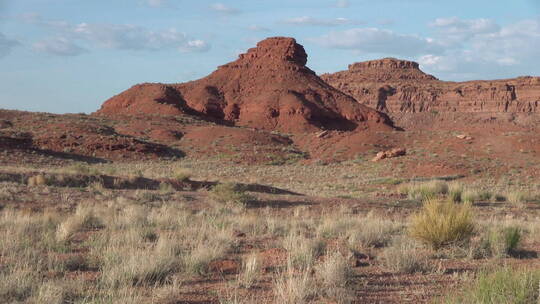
168, 294
294, 287
53, 292
37, 180
166, 188
128, 266
371, 231
455, 192
18, 283
250, 272
403, 256
424, 191
84, 169
133, 216
441, 223
85, 218
26, 236
334, 276
501, 241
209, 245
303, 251
516, 197
506, 285
230, 192
182, 174
475, 195
336, 226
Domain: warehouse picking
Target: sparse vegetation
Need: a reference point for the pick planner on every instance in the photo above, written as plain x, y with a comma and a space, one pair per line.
426, 190
158, 245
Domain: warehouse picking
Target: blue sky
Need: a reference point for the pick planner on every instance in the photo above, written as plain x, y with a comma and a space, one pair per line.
70, 55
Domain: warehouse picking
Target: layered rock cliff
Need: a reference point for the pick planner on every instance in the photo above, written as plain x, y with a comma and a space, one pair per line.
391, 85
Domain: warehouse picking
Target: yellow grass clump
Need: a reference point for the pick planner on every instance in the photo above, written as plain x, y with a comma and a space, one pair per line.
442, 222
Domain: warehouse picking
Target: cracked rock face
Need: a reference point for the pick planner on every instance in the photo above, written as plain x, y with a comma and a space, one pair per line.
395, 86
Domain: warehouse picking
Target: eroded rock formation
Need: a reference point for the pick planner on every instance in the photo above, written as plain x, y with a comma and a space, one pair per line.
269, 87
392, 85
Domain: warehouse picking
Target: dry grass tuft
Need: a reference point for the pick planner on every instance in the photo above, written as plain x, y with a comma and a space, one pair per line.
425, 191
303, 251
442, 223
37, 180
404, 257
182, 174
85, 218
372, 232
292, 287
251, 271
517, 198
335, 276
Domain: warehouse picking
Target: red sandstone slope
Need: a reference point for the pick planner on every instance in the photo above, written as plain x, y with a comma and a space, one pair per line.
269, 87
393, 85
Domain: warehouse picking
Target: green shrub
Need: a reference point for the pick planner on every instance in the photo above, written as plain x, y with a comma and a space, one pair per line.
501, 286
230, 192
503, 241
442, 222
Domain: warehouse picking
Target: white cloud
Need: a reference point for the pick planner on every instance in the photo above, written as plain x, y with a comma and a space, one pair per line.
6, 45
458, 26
130, 37
112, 36
257, 28
59, 46
156, 3
487, 50
379, 41
305, 20
455, 31
459, 49
224, 9
342, 3
195, 46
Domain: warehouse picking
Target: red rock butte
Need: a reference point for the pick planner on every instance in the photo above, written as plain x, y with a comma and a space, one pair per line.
395, 86
269, 87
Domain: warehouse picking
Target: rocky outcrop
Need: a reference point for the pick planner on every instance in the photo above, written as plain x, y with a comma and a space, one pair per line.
269, 87
396, 152
393, 86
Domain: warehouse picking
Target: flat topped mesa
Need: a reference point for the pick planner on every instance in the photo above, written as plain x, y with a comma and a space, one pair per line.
390, 68
385, 63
